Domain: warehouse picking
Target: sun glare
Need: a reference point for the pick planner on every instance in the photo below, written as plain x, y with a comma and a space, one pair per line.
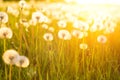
95, 1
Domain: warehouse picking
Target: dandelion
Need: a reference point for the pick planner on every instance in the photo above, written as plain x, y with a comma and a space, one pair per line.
44, 26
22, 61
32, 22
109, 30
102, 39
9, 9
93, 29
10, 56
77, 33
62, 24
98, 25
83, 46
3, 17
6, 32
64, 34
15, 13
45, 19
51, 29
36, 16
22, 4
48, 36
81, 25
24, 22
85, 34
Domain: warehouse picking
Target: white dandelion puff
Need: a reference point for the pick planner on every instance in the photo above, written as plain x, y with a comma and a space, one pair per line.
83, 46
32, 22
64, 34
62, 24
6, 32
10, 56
22, 4
22, 61
77, 33
48, 37
44, 26
37, 16
102, 39
3, 17
83, 26
51, 29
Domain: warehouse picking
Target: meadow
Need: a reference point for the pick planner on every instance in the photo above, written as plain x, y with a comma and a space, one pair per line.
59, 41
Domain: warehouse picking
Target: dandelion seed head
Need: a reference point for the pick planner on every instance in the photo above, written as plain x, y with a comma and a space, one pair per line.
83, 46
6, 32
62, 24
10, 56
51, 29
36, 16
64, 34
83, 26
44, 26
22, 4
77, 33
32, 22
102, 39
48, 37
3, 17
22, 61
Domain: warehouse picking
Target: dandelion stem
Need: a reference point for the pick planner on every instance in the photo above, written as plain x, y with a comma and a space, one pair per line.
19, 73
36, 48
10, 72
83, 58
76, 61
47, 76
4, 46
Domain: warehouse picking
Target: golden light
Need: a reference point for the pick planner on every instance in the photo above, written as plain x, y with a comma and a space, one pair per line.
95, 1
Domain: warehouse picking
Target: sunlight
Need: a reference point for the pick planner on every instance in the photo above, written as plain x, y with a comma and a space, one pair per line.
97, 1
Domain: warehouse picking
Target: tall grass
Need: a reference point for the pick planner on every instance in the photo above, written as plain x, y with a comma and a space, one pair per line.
61, 59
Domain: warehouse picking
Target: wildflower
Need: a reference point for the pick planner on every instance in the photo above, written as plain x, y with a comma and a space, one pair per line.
9, 9
83, 46
3, 17
48, 36
109, 30
93, 29
36, 16
51, 29
32, 22
22, 61
81, 25
24, 22
102, 39
10, 56
85, 34
45, 26
6, 32
22, 4
62, 24
98, 26
45, 19
15, 13
64, 34
77, 33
